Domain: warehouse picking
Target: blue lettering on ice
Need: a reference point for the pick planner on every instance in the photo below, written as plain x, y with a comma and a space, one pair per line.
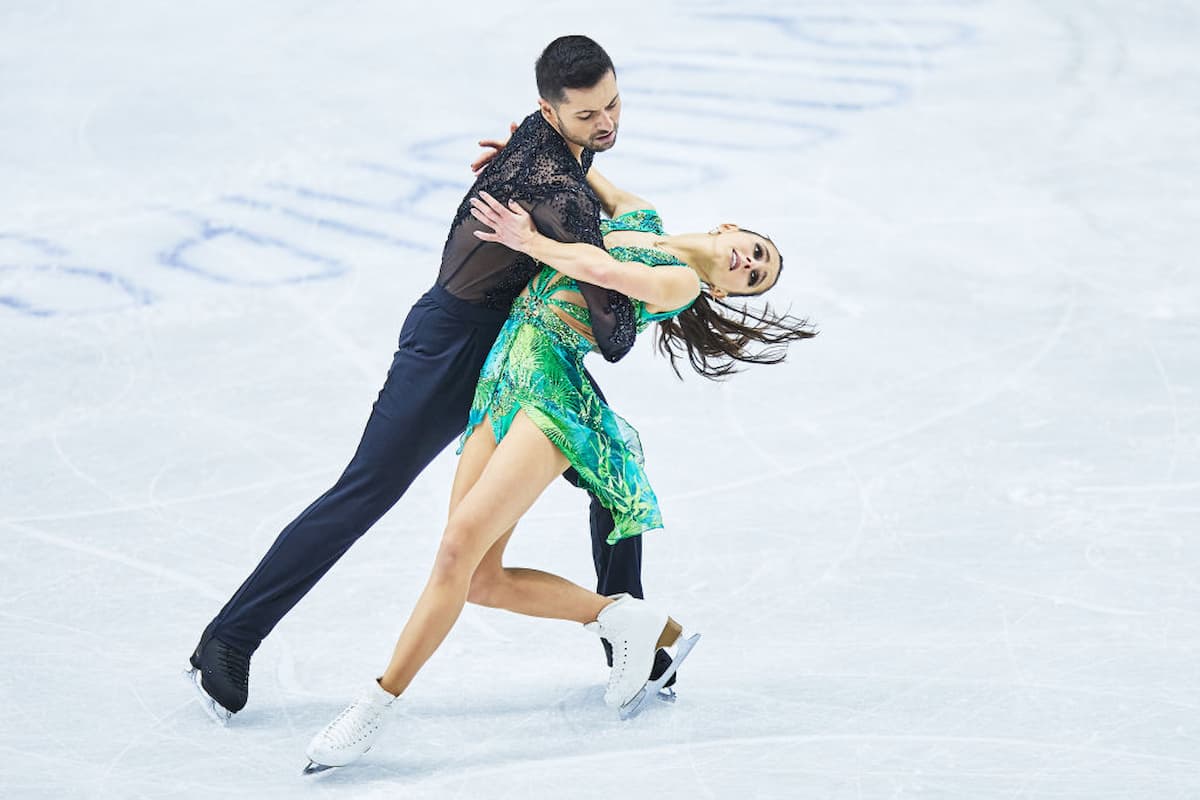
177, 258
134, 295
327, 223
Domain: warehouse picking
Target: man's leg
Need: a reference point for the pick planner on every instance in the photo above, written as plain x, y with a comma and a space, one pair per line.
618, 566
421, 408
403, 434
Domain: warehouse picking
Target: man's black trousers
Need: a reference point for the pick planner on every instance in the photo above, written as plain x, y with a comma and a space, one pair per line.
422, 407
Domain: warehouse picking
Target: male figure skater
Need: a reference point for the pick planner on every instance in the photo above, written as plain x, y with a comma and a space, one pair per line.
426, 397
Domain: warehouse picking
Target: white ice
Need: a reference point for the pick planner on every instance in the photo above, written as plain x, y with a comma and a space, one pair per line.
948, 550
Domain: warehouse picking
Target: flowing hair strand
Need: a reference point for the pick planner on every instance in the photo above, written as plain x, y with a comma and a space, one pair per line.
715, 342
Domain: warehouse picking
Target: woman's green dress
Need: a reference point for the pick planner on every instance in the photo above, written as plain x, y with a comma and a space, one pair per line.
536, 365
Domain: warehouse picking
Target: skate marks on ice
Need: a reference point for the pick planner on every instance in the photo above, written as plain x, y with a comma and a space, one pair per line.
432, 739
883, 757
338, 745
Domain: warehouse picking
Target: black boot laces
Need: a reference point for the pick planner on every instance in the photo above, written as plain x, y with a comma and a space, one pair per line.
234, 664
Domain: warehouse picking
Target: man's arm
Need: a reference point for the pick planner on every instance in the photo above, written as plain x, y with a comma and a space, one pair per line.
616, 201
571, 216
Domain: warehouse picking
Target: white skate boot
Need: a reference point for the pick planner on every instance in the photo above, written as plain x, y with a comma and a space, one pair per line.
636, 631
352, 732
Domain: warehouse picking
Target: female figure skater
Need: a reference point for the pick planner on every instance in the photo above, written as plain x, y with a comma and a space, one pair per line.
535, 414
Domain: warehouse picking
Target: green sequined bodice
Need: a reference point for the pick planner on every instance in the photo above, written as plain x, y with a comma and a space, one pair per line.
645, 220
550, 288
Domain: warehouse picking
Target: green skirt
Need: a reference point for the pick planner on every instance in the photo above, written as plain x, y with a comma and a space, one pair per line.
536, 365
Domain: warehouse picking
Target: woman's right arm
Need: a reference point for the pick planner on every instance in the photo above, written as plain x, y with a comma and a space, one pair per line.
616, 201
511, 226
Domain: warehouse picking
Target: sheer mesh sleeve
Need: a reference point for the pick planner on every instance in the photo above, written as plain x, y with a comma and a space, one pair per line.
612, 314
537, 170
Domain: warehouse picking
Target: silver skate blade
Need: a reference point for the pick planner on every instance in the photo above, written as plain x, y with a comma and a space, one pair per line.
633, 707
314, 768
653, 688
215, 710
666, 694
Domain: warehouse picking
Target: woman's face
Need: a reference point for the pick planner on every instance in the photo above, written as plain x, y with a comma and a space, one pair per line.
743, 262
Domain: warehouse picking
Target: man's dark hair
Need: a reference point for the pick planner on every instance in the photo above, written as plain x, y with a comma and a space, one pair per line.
570, 62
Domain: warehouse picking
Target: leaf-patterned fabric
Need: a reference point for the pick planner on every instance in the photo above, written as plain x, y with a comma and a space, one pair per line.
536, 365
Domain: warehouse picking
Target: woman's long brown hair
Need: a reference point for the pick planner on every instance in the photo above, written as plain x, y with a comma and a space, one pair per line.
714, 342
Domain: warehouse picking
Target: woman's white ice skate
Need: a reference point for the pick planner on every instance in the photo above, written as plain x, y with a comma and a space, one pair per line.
352, 732
636, 631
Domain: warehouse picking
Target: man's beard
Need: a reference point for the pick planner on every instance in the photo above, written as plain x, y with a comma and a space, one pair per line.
600, 147
591, 144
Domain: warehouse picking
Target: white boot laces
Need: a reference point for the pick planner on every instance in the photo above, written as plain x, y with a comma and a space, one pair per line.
354, 724
620, 661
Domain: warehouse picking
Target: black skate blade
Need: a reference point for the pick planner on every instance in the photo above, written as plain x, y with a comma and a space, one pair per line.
314, 768
654, 688
215, 710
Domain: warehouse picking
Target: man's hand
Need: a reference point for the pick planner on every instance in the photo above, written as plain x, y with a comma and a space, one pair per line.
495, 146
510, 225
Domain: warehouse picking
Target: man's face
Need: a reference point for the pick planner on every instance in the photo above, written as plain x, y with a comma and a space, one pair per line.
588, 117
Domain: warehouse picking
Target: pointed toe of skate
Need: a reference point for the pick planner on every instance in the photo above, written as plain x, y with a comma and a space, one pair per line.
632, 707
218, 713
314, 768
221, 674
322, 757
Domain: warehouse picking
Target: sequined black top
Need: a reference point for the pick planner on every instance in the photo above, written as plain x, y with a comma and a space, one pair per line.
538, 171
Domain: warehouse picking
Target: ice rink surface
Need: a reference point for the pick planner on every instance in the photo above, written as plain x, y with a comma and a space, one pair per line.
948, 550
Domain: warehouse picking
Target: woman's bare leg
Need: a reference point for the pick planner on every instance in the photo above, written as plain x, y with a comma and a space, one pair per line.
531, 592
513, 474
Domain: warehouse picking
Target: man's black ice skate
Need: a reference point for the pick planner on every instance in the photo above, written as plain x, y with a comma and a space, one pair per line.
221, 674
662, 662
